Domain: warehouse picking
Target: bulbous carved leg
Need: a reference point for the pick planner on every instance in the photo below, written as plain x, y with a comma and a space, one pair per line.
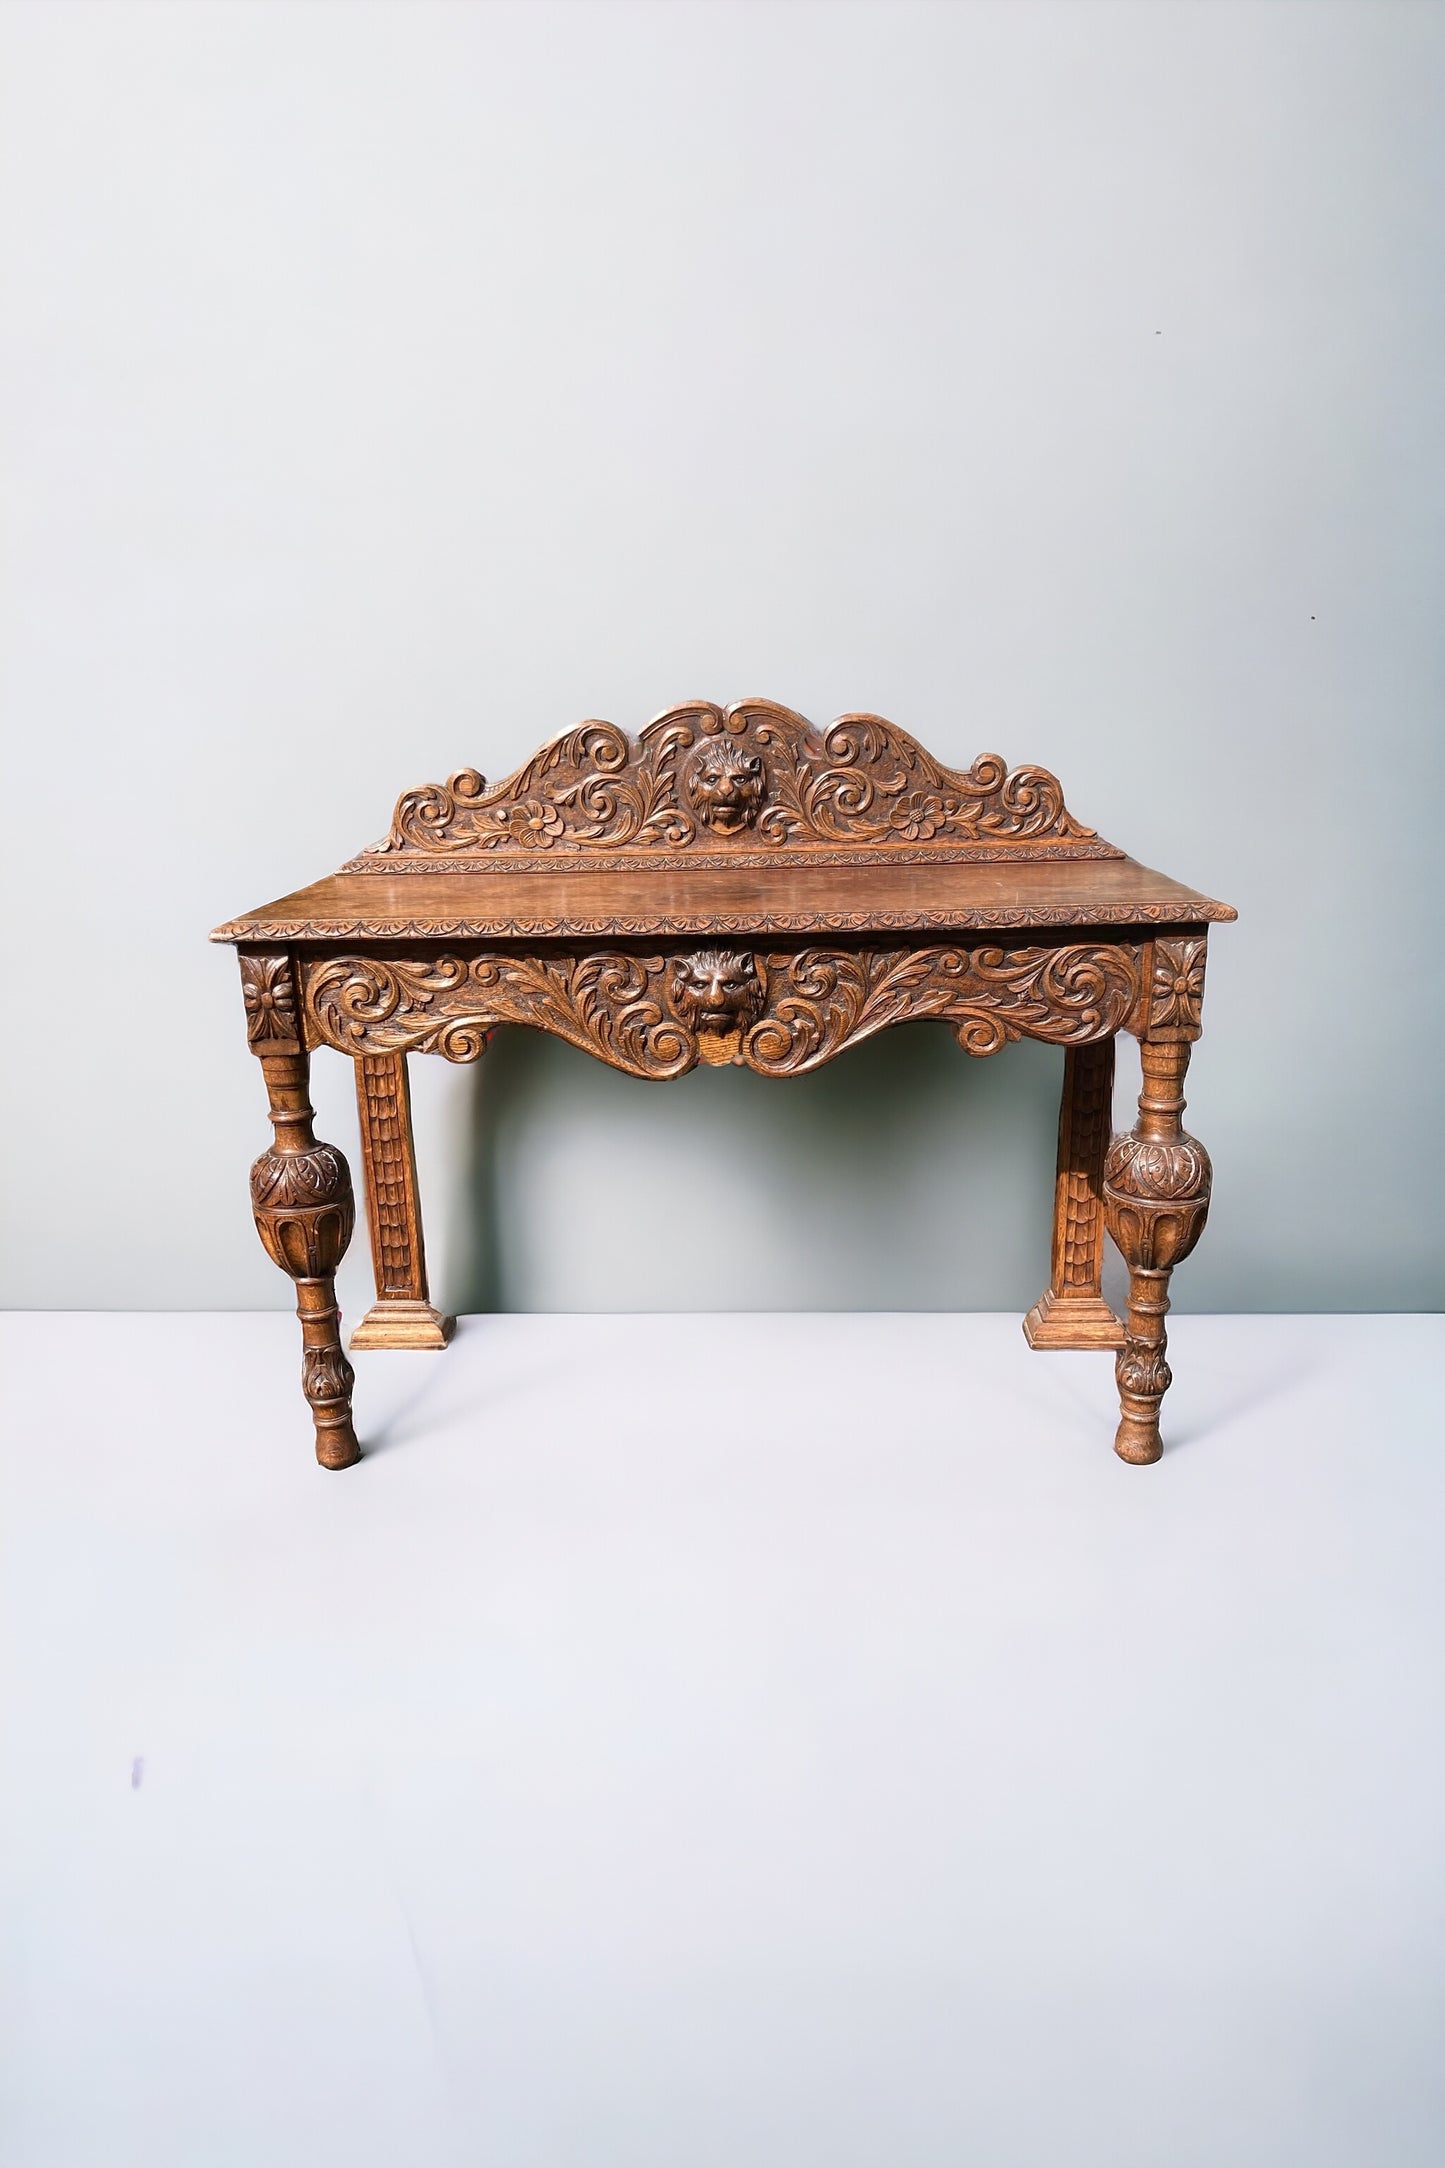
1156, 1199
301, 1196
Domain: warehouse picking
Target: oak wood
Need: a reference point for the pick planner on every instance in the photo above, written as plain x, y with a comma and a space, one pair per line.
733, 886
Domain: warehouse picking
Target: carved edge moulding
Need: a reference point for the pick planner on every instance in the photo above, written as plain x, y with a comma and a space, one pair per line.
750, 785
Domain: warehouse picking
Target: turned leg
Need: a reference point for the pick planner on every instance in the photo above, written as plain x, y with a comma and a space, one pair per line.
1072, 1311
402, 1315
301, 1196
1156, 1197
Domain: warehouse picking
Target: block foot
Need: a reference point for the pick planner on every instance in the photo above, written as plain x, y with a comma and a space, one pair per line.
403, 1324
1070, 1321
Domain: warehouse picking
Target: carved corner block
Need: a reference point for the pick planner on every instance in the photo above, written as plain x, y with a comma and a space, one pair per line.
268, 990
1176, 986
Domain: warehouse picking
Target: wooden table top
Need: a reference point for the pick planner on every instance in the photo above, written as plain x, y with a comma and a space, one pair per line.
745, 820
548, 901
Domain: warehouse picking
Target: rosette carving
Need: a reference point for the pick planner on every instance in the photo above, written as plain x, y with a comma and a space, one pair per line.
269, 994
1177, 986
729, 777
783, 1013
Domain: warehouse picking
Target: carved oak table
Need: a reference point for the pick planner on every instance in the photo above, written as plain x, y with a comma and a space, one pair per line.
732, 886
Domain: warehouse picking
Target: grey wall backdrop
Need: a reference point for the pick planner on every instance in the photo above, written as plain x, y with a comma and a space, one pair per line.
389, 387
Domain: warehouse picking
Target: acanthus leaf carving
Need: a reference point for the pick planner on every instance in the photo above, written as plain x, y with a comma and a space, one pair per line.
782, 1013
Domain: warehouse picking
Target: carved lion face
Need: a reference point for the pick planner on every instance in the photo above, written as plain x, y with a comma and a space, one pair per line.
725, 785
717, 990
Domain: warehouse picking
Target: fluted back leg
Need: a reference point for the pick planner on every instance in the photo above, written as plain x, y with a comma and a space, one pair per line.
1156, 1199
1072, 1312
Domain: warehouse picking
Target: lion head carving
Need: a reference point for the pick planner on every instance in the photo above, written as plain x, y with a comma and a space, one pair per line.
725, 785
717, 991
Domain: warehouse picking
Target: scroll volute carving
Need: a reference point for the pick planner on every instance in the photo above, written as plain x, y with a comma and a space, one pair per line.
751, 782
780, 1012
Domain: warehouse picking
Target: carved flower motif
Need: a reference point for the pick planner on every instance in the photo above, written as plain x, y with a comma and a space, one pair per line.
1178, 992
536, 826
266, 992
918, 816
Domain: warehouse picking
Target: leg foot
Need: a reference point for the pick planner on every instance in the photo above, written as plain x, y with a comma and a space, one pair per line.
396, 1322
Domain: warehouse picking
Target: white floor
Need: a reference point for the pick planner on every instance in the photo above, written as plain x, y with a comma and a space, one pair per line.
723, 1742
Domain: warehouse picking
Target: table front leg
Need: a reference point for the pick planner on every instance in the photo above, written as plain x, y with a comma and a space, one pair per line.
1072, 1311
302, 1201
402, 1315
1156, 1196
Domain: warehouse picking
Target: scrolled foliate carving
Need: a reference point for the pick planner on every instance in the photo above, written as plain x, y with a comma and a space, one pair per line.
753, 776
822, 1000
781, 1013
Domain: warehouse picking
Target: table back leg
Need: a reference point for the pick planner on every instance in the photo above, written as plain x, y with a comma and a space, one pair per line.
301, 1196
402, 1315
1156, 1196
1072, 1311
